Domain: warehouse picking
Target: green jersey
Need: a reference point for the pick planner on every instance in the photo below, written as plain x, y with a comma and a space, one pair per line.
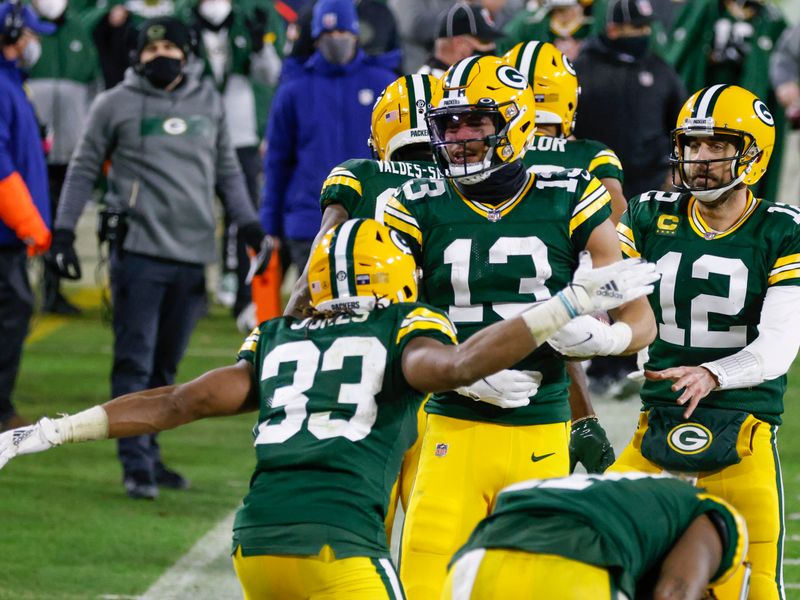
363, 186
335, 418
708, 301
547, 154
483, 263
626, 522
535, 25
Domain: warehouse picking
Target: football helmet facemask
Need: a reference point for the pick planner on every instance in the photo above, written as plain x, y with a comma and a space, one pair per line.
553, 80
398, 117
358, 264
479, 87
732, 114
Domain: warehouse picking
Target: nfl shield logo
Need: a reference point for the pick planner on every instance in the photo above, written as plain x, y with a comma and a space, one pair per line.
494, 216
441, 450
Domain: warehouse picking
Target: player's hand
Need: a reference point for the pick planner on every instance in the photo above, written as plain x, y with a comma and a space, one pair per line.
696, 383
610, 286
38, 437
585, 337
62, 257
507, 389
589, 445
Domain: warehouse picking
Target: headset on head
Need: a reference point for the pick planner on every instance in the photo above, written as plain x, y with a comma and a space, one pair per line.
13, 24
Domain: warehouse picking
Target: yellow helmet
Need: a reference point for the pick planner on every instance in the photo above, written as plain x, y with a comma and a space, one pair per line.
489, 87
398, 117
738, 116
359, 263
553, 79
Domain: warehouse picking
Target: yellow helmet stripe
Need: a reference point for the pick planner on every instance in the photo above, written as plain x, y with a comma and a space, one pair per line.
343, 282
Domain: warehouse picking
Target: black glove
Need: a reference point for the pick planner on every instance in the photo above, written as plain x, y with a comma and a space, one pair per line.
257, 26
258, 264
252, 234
589, 445
62, 257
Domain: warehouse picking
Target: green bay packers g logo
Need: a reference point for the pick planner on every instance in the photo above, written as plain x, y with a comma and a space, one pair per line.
511, 77
762, 112
689, 438
175, 126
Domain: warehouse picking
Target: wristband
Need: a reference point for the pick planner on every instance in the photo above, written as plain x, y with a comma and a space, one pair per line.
90, 424
544, 319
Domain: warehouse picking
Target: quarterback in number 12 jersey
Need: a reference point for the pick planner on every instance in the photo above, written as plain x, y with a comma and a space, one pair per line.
708, 302
483, 263
331, 462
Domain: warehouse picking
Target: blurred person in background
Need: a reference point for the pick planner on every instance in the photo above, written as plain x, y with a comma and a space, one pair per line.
24, 197
560, 22
165, 133
730, 41
236, 58
784, 74
320, 117
377, 32
464, 30
63, 83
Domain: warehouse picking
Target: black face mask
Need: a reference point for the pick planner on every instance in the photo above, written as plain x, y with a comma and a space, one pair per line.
636, 46
499, 186
162, 70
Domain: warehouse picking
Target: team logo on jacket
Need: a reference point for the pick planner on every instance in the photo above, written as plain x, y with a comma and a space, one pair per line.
689, 438
175, 126
441, 450
366, 97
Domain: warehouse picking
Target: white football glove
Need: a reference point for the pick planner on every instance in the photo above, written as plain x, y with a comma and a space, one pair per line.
610, 286
38, 437
507, 389
585, 336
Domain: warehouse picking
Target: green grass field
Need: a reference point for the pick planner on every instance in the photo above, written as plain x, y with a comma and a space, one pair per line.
67, 530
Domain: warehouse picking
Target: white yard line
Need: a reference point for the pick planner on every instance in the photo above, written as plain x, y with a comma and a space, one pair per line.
203, 573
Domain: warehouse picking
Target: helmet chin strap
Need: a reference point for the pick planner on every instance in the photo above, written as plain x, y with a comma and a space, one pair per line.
709, 196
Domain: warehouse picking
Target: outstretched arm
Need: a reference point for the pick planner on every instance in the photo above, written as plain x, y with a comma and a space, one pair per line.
225, 391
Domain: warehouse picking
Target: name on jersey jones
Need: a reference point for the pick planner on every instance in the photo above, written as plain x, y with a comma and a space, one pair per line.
312, 323
407, 169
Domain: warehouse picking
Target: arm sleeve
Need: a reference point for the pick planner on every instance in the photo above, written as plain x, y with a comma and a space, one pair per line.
784, 64
772, 353
280, 160
87, 161
341, 187
591, 206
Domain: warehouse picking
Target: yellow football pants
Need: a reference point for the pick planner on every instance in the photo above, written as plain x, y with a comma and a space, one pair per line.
320, 577
462, 467
401, 492
754, 486
496, 574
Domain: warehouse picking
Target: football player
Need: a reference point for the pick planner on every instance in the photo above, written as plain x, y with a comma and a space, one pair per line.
359, 188
337, 395
728, 324
555, 89
493, 239
606, 537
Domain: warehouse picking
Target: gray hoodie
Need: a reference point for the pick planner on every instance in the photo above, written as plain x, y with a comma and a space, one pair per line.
167, 150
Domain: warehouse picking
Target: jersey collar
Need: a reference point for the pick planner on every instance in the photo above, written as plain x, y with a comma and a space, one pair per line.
495, 212
707, 233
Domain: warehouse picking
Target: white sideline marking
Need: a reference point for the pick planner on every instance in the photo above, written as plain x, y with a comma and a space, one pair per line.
791, 561
203, 573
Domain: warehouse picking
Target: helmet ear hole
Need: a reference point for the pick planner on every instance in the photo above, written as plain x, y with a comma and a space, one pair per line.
407, 291
525, 127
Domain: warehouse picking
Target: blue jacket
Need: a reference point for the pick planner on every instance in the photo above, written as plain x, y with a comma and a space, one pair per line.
320, 116
20, 145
